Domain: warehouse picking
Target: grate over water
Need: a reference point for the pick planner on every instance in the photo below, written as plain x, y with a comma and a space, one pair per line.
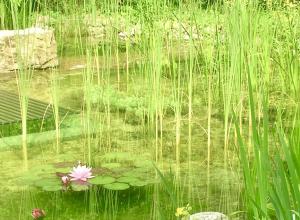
10, 109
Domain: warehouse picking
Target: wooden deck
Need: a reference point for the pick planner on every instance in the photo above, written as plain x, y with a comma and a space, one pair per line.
10, 109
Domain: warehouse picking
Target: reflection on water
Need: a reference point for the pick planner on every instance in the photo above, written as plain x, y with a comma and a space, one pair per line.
116, 133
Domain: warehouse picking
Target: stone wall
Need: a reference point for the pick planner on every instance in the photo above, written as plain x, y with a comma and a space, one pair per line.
28, 48
100, 27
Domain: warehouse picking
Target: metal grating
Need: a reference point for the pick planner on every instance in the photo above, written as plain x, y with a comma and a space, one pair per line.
10, 109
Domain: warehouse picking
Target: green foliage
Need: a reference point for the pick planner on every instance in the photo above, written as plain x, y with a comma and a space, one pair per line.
102, 180
209, 3
109, 176
242, 61
170, 192
116, 186
272, 190
16, 14
285, 192
33, 126
256, 173
168, 185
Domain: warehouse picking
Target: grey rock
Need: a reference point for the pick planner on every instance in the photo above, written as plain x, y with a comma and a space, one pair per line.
208, 216
101, 26
42, 21
29, 48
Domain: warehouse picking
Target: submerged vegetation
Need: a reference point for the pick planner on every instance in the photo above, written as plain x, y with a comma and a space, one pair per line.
178, 104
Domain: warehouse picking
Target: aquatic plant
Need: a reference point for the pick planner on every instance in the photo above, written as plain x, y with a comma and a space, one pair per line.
166, 98
81, 173
16, 13
55, 101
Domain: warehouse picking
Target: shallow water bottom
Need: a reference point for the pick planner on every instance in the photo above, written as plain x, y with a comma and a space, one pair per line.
120, 130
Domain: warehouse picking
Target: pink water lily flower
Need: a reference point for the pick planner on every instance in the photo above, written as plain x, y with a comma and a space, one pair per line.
81, 173
38, 213
65, 180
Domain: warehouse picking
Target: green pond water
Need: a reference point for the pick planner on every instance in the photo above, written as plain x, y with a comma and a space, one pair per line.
123, 151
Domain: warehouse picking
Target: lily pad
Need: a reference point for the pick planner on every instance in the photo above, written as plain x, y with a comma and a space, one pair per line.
120, 170
98, 171
47, 182
138, 183
52, 188
28, 179
111, 165
79, 187
63, 169
102, 180
116, 186
144, 170
132, 173
127, 179
133, 181
46, 168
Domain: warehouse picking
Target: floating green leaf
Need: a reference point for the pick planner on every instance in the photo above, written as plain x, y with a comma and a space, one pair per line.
127, 179
116, 186
144, 170
138, 183
28, 179
63, 169
46, 168
52, 188
47, 182
120, 170
133, 181
132, 173
79, 187
101, 180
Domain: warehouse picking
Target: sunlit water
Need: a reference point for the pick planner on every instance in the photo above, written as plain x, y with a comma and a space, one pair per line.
124, 134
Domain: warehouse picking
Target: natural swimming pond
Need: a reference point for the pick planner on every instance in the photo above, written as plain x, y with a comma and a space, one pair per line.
158, 110
126, 185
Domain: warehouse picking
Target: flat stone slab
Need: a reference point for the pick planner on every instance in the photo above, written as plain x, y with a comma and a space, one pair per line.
208, 216
29, 48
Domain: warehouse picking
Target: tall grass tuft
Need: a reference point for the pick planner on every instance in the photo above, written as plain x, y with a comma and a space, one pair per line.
284, 192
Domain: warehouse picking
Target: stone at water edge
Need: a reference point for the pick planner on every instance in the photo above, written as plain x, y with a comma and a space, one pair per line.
28, 48
208, 216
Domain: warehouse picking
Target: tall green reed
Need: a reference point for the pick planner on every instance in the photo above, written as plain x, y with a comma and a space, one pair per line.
23, 81
256, 193
23, 75
155, 80
284, 192
271, 179
55, 103
177, 93
87, 110
16, 13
